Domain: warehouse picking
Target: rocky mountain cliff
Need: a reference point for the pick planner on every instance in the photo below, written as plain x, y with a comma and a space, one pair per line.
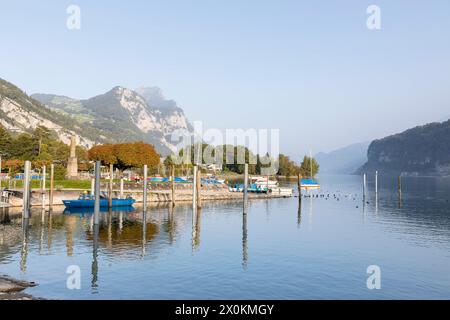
125, 115
421, 151
21, 113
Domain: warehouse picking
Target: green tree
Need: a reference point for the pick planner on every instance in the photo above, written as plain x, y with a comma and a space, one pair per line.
60, 172
309, 165
5, 142
287, 167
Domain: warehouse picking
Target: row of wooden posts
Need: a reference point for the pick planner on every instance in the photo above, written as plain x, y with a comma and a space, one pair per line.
95, 187
27, 188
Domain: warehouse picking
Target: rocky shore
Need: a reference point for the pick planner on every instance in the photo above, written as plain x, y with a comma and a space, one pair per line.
12, 289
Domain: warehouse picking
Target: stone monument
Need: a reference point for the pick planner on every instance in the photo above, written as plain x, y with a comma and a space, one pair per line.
72, 164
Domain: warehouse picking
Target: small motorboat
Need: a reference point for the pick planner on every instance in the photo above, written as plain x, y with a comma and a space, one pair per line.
88, 201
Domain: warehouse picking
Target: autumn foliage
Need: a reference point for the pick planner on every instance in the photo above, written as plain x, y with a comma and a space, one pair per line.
125, 155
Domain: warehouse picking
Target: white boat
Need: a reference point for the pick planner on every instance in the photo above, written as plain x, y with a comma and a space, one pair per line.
264, 182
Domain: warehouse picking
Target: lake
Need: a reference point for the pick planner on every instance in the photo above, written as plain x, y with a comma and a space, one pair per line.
316, 248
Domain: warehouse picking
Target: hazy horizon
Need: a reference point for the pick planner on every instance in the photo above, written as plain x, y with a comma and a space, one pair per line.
312, 70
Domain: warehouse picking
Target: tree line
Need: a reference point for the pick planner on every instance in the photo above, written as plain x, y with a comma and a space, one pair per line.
43, 147
227, 156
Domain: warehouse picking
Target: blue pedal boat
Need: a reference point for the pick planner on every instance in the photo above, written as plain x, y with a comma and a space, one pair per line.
88, 201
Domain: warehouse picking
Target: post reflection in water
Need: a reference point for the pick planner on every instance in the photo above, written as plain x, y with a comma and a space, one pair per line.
50, 231
244, 241
120, 221
110, 228
299, 215
310, 218
144, 231
70, 226
171, 224
94, 269
376, 205
196, 230
5, 216
42, 227
24, 250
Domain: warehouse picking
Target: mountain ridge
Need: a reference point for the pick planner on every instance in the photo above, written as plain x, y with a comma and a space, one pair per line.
419, 151
125, 115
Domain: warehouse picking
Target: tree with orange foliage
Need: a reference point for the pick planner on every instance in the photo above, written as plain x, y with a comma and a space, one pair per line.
103, 153
14, 165
125, 155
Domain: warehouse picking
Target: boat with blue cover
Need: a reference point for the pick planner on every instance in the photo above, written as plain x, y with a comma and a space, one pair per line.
310, 184
88, 201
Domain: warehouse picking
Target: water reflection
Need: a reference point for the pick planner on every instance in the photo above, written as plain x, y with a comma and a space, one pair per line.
197, 230
170, 225
244, 241
129, 243
144, 231
299, 212
94, 267
42, 231
24, 251
50, 231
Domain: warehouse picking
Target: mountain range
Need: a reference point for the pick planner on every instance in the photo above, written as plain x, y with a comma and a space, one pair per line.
120, 114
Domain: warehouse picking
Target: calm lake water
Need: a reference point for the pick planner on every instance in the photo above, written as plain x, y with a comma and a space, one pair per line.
318, 250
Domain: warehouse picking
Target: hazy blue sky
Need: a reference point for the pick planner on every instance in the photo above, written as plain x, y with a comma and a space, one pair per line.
311, 69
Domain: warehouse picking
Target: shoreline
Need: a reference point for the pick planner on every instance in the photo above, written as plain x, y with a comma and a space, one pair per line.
13, 289
159, 196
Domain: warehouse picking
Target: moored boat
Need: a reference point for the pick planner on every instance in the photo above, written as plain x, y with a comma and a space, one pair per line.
88, 201
310, 184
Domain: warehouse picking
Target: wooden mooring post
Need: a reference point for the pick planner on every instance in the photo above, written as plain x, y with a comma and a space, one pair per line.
97, 193
399, 187
52, 185
144, 195
43, 190
26, 190
376, 182
121, 188
299, 185
199, 189
364, 186
93, 186
194, 193
245, 196
173, 187
110, 188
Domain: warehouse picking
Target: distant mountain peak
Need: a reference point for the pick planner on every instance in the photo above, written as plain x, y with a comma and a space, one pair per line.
126, 114
156, 99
